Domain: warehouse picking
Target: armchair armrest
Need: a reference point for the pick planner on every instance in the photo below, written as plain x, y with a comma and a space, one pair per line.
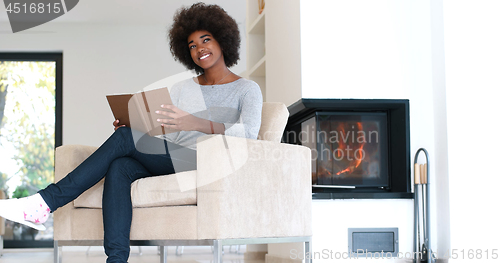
68, 157
251, 188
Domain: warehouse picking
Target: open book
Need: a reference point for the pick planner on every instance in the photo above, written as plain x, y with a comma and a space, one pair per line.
137, 110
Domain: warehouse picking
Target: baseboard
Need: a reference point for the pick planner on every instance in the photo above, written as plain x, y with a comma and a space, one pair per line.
275, 259
255, 255
411, 261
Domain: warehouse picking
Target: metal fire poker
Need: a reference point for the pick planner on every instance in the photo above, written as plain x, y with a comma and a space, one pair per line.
422, 182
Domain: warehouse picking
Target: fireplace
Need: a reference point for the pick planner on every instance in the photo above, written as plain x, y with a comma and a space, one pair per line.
360, 148
349, 149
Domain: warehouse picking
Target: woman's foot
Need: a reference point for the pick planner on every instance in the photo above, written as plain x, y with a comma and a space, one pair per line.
31, 211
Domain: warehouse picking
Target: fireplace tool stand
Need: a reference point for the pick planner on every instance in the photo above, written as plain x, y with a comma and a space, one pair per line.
421, 241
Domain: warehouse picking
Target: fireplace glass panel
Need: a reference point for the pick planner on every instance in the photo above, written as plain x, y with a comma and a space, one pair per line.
348, 149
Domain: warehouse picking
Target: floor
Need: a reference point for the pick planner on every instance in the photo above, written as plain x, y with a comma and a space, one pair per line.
149, 255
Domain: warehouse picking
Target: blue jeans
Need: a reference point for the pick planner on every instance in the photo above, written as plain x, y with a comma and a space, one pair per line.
121, 161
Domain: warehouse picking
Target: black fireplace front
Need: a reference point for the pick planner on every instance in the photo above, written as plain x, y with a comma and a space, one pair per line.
360, 148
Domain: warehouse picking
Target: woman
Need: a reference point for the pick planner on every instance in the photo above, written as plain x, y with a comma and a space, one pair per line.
206, 39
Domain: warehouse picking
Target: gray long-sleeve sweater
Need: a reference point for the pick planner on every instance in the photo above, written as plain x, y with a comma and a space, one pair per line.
237, 104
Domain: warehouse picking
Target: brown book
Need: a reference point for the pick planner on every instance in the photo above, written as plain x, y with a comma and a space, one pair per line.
137, 110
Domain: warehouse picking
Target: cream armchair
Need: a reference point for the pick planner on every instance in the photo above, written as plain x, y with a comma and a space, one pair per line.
243, 192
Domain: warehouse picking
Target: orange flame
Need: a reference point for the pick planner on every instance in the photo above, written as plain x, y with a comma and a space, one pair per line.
351, 167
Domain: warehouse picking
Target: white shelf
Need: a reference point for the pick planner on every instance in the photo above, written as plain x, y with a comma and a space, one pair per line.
256, 45
258, 26
259, 69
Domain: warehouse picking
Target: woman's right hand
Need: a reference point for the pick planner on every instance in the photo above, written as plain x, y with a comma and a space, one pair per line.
115, 123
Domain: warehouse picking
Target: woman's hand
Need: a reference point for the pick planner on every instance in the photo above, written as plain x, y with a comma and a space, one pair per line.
115, 123
178, 119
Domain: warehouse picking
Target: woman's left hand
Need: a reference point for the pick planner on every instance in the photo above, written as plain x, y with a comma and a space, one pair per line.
178, 119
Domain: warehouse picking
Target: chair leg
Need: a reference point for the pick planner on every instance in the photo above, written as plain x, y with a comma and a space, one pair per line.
163, 254
217, 251
57, 252
238, 249
307, 254
138, 253
177, 253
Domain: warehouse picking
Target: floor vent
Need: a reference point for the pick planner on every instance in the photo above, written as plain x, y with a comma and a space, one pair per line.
373, 242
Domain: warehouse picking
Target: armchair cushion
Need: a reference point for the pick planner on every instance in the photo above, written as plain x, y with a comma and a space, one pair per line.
149, 192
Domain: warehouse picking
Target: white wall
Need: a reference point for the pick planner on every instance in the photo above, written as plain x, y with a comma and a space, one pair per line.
472, 46
283, 50
390, 49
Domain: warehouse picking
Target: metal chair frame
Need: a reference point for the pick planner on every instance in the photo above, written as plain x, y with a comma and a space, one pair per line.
163, 244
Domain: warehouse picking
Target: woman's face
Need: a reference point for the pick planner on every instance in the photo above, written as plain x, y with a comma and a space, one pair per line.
205, 50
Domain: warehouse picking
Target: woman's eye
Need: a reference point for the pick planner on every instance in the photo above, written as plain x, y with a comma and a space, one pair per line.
206, 40
191, 47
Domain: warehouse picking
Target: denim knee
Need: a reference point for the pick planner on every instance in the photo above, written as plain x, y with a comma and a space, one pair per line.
124, 132
124, 168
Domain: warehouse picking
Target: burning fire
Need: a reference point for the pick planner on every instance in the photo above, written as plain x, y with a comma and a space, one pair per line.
343, 146
346, 149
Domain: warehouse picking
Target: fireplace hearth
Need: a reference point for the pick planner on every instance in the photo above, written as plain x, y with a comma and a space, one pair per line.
360, 148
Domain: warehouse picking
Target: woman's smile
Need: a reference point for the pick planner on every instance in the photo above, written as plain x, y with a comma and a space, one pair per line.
204, 56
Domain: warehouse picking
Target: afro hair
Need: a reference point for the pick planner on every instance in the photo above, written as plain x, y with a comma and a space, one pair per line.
211, 18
